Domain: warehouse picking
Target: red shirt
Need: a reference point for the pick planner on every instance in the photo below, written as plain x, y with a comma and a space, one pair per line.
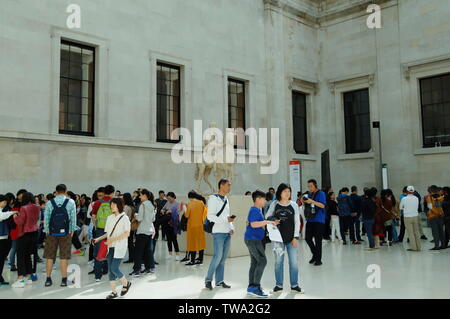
97, 204
27, 220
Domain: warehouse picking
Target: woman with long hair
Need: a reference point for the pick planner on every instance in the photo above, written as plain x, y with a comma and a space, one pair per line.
117, 230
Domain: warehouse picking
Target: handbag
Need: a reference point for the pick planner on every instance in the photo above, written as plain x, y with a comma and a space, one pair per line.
103, 249
309, 211
208, 225
134, 222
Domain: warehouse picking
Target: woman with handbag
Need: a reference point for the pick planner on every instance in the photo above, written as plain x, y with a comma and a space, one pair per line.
388, 206
117, 230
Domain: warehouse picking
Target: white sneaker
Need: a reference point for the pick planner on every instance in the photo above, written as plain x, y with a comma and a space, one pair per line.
97, 280
177, 258
18, 284
28, 281
169, 257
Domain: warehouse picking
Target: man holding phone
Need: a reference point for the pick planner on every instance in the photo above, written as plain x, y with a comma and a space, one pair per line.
219, 214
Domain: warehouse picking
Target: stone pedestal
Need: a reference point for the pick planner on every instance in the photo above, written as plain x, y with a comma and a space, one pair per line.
239, 206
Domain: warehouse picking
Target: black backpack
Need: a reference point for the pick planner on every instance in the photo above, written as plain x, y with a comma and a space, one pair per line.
59, 220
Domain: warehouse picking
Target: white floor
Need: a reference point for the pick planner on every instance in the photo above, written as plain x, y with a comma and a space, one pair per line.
343, 275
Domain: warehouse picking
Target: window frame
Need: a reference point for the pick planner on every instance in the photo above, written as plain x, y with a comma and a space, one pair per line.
422, 119
244, 111
179, 69
94, 55
306, 96
346, 142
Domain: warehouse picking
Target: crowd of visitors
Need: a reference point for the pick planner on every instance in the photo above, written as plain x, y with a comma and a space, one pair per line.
113, 226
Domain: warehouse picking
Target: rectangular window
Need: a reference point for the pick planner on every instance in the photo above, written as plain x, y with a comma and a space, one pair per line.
357, 121
299, 122
168, 102
236, 109
76, 96
435, 100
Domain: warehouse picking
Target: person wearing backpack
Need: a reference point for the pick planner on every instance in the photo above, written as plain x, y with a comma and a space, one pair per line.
222, 230
60, 222
315, 217
101, 210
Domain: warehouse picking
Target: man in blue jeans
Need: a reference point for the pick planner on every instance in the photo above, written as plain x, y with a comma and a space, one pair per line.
222, 230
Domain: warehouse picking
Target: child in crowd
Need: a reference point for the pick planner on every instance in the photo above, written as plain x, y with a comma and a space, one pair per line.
254, 237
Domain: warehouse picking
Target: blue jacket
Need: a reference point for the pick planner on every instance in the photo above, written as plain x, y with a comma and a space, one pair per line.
344, 205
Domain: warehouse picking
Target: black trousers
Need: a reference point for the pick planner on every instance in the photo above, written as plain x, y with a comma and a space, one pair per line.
346, 224
356, 225
131, 244
26, 246
388, 230
76, 241
194, 253
313, 237
5, 247
447, 230
141, 252
172, 240
327, 230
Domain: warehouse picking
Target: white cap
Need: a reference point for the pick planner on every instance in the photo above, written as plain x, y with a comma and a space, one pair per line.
410, 189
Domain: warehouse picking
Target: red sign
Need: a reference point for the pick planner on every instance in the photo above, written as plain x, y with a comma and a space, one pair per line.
294, 163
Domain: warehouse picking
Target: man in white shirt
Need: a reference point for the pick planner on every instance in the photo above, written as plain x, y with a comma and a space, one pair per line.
409, 205
222, 230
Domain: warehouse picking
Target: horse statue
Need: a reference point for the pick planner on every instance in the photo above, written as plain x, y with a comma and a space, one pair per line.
204, 169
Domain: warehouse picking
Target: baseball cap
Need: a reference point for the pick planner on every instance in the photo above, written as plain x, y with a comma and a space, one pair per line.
410, 189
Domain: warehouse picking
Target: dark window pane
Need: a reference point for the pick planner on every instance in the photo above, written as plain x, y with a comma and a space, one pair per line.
299, 122
168, 102
357, 121
435, 103
77, 88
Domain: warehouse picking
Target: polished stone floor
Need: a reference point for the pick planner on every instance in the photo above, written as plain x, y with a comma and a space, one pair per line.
344, 274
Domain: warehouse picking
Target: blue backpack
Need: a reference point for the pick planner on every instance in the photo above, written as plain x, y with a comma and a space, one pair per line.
59, 220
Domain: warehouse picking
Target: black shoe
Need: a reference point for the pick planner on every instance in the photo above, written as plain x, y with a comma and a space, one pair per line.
199, 262
48, 282
135, 273
64, 282
435, 248
431, 241
442, 247
312, 261
127, 287
128, 262
423, 237
344, 243
190, 264
184, 260
318, 263
112, 295
277, 289
91, 272
297, 290
223, 285
156, 263
208, 285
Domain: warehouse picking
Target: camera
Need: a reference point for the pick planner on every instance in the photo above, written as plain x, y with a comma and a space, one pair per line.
305, 198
